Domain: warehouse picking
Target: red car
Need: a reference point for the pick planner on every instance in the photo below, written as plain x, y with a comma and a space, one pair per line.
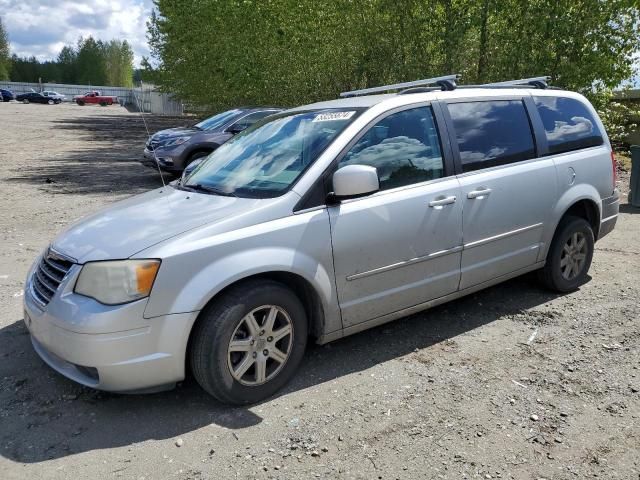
95, 97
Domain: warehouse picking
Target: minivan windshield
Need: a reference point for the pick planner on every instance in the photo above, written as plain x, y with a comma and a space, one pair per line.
218, 120
266, 159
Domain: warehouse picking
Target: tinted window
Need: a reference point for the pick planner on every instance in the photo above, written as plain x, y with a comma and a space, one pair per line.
492, 133
404, 148
568, 124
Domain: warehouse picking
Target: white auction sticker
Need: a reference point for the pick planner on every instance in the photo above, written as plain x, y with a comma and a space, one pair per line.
332, 116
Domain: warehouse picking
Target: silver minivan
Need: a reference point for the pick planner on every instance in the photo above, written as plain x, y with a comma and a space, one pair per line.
320, 222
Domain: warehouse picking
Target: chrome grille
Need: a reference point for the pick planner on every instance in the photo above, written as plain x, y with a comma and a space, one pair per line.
47, 277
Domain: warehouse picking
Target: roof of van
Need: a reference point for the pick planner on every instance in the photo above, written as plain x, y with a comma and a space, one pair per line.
367, 101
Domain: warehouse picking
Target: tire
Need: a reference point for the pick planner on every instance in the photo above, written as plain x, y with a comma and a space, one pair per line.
222, 321
569, 256
25, 101
80, 102
50, 102
103, 104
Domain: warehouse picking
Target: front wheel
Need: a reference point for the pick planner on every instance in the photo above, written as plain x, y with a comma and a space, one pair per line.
248, 343
25, 101
569, 256
50, 102
80, 102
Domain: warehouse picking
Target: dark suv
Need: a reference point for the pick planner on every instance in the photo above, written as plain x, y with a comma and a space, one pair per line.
175, 148
6, 95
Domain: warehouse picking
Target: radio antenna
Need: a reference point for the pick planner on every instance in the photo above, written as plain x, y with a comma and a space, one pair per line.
144, 120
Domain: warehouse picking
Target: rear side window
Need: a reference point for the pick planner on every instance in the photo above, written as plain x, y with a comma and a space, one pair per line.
403, 147
492, 133
568, 123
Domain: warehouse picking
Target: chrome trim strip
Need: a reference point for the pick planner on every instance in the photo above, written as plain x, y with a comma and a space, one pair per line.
608, 218
500, 236
404, 263
358, 327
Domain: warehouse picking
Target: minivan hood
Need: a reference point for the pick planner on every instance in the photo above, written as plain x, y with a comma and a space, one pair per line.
129, 226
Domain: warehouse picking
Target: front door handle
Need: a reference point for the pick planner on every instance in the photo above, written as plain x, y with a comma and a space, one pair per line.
440, 202
482, 192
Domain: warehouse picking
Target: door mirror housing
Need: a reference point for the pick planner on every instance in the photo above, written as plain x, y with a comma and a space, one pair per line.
355, 181
237, 128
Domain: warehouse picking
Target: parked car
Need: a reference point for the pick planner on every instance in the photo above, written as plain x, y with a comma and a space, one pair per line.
175, 148
6, 95
320, 222
54, 95
95, 98
35, 97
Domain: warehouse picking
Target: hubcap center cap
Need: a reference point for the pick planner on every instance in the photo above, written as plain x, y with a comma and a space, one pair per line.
260, 344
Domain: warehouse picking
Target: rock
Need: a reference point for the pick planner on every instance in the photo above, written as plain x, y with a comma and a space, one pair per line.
179, 442
315, 453
534, 417
325, 449
340, 438
564, 414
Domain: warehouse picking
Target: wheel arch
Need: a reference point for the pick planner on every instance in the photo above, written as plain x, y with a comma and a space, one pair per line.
301, 287
581, 201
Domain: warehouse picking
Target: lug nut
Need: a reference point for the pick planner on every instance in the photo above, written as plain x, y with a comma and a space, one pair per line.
252, 342
255, 354
269, 339
265, 352
261, 332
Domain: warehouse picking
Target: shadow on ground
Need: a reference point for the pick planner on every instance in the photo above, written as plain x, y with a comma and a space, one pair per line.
106, 160
45, 416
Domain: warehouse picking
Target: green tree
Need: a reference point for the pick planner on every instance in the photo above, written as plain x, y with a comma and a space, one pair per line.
67, 62
293, 51
5, 60
90, 62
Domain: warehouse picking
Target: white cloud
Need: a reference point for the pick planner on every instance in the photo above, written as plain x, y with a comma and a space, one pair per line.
42, 27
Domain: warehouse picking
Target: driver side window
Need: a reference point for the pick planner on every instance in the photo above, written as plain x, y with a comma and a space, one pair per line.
404, 148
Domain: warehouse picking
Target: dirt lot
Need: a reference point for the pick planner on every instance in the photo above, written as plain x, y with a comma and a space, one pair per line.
513, 382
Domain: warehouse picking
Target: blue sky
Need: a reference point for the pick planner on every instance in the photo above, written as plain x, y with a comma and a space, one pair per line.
42, 27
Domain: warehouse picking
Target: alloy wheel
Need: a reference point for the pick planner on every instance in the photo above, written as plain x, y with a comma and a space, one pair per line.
574, 255
260, 345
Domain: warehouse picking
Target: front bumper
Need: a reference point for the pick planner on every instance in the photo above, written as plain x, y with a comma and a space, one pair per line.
111, 348
169, 160
610, 209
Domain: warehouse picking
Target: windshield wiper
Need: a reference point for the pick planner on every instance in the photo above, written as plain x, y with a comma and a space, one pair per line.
198, 187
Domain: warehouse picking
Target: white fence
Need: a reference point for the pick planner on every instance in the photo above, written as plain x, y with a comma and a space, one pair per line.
145, 96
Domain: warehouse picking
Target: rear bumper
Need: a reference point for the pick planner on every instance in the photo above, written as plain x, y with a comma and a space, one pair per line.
610, 209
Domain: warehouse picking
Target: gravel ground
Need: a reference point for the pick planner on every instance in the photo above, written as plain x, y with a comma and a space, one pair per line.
513, 382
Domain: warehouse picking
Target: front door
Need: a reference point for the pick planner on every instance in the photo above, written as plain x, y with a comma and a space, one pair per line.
400, 246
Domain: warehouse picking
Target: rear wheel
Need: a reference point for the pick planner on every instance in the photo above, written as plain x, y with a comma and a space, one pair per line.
26, 100
249, 343
50, 102
569, 256
80, 102
103, 104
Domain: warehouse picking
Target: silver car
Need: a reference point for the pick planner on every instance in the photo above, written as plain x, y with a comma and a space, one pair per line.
320, 222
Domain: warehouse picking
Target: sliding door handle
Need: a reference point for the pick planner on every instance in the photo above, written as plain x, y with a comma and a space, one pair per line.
483, 192
442, 201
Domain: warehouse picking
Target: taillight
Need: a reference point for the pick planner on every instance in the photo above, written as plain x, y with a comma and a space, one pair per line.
614, 166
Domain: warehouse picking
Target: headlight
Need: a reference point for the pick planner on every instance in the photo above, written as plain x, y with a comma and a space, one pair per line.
174, 142
117, 282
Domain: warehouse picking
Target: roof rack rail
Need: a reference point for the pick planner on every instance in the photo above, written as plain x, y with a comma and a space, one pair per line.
537, 82
447, 82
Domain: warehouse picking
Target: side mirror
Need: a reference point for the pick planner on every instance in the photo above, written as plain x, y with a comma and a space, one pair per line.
237, 128
354, 181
